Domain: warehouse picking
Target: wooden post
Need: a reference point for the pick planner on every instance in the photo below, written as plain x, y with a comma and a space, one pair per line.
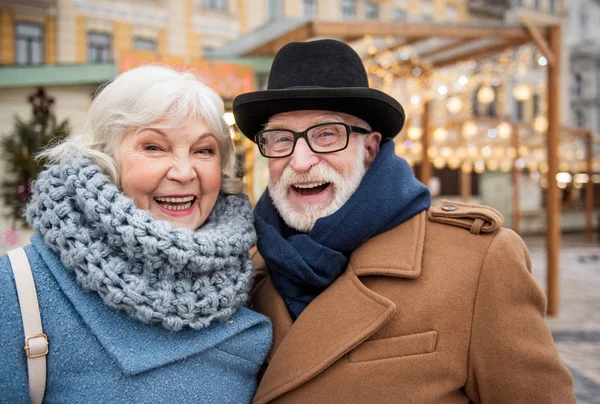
465, 176
516, 204
589, 187
425, 168
553, 200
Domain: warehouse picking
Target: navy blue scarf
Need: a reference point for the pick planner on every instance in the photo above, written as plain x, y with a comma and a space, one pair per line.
303, 265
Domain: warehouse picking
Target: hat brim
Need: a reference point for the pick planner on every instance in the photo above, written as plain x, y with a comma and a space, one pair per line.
382, 112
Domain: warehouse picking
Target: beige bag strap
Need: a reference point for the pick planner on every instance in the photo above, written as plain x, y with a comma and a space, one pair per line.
36, 342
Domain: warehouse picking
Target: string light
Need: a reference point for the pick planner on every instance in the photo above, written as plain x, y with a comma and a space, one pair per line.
540, 124
440, 134
504, 130
469, 129
486, 95
415, 133
454, 104
522, 92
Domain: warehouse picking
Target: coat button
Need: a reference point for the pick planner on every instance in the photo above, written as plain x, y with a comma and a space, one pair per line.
449, 208
229, 320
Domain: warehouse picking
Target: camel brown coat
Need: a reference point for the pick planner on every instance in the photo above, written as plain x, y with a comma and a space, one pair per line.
428, 312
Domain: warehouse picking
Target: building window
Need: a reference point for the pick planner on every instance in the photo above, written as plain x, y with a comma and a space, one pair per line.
427, 17
536, 4
309, 8
348, 9
28, 43
144, 44
580, 119
552, 6
216, 5
275, 9
475, 103
99, 47
519, 110
371, 10
399, 14
583, 21
536, 104
577, 85
492, 108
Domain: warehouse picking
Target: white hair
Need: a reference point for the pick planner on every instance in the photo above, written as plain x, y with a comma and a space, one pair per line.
156, 96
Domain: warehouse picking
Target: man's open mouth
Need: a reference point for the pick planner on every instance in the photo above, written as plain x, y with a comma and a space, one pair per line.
175, 203
310, 189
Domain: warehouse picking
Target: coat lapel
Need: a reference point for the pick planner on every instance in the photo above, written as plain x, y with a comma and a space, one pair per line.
340, 318
267, 300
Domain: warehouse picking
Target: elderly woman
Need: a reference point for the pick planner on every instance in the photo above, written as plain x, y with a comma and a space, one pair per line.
140, 255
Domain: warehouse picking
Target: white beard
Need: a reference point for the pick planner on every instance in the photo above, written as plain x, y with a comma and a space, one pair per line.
343, 189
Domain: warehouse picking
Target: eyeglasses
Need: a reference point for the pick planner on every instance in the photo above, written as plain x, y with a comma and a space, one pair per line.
323, 138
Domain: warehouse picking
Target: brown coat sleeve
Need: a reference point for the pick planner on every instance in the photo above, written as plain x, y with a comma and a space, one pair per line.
512, 357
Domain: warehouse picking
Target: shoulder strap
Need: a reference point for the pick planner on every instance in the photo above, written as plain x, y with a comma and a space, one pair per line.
36, 342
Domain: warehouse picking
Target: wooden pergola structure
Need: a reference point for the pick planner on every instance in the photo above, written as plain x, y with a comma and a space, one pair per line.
440, 45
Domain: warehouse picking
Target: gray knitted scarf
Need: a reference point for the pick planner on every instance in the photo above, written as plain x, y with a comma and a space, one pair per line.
151, 270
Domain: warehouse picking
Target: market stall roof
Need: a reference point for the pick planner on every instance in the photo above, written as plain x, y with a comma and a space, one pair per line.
440, 44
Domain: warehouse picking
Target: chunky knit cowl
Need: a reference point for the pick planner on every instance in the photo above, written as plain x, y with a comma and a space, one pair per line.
151, 270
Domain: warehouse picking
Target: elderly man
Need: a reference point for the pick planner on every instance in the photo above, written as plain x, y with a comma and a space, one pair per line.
374, 296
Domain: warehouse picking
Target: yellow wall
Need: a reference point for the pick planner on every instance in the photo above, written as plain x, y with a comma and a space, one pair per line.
439, 9
7, 38
463, 12
413, 6
292, 8
194, 40
242, 17
123, 37
50, 40
162, 41
81, 39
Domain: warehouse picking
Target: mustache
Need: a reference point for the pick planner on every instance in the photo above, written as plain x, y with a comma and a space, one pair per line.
321, 172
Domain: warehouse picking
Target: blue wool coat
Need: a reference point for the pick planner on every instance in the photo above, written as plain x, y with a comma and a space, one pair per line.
99, 355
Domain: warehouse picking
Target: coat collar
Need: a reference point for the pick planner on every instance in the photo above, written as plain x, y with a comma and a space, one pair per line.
397, 253
121, 335
340, 318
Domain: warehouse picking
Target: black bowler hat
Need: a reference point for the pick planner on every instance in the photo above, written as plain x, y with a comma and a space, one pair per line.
318, 75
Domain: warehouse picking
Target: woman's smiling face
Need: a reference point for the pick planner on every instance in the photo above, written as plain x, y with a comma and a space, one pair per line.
173, 173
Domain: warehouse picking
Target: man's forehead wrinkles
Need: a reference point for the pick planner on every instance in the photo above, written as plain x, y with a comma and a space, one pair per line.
322, 118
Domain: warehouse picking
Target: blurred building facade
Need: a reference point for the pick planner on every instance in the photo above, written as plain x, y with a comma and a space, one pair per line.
583, 39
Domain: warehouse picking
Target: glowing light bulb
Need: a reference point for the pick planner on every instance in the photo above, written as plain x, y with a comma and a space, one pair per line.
440, 134
522, 92
454, 104
415, 133
469, 129
504, 130
486, 95
540, 124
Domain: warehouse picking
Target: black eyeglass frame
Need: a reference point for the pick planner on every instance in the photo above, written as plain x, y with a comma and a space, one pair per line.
304, 135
